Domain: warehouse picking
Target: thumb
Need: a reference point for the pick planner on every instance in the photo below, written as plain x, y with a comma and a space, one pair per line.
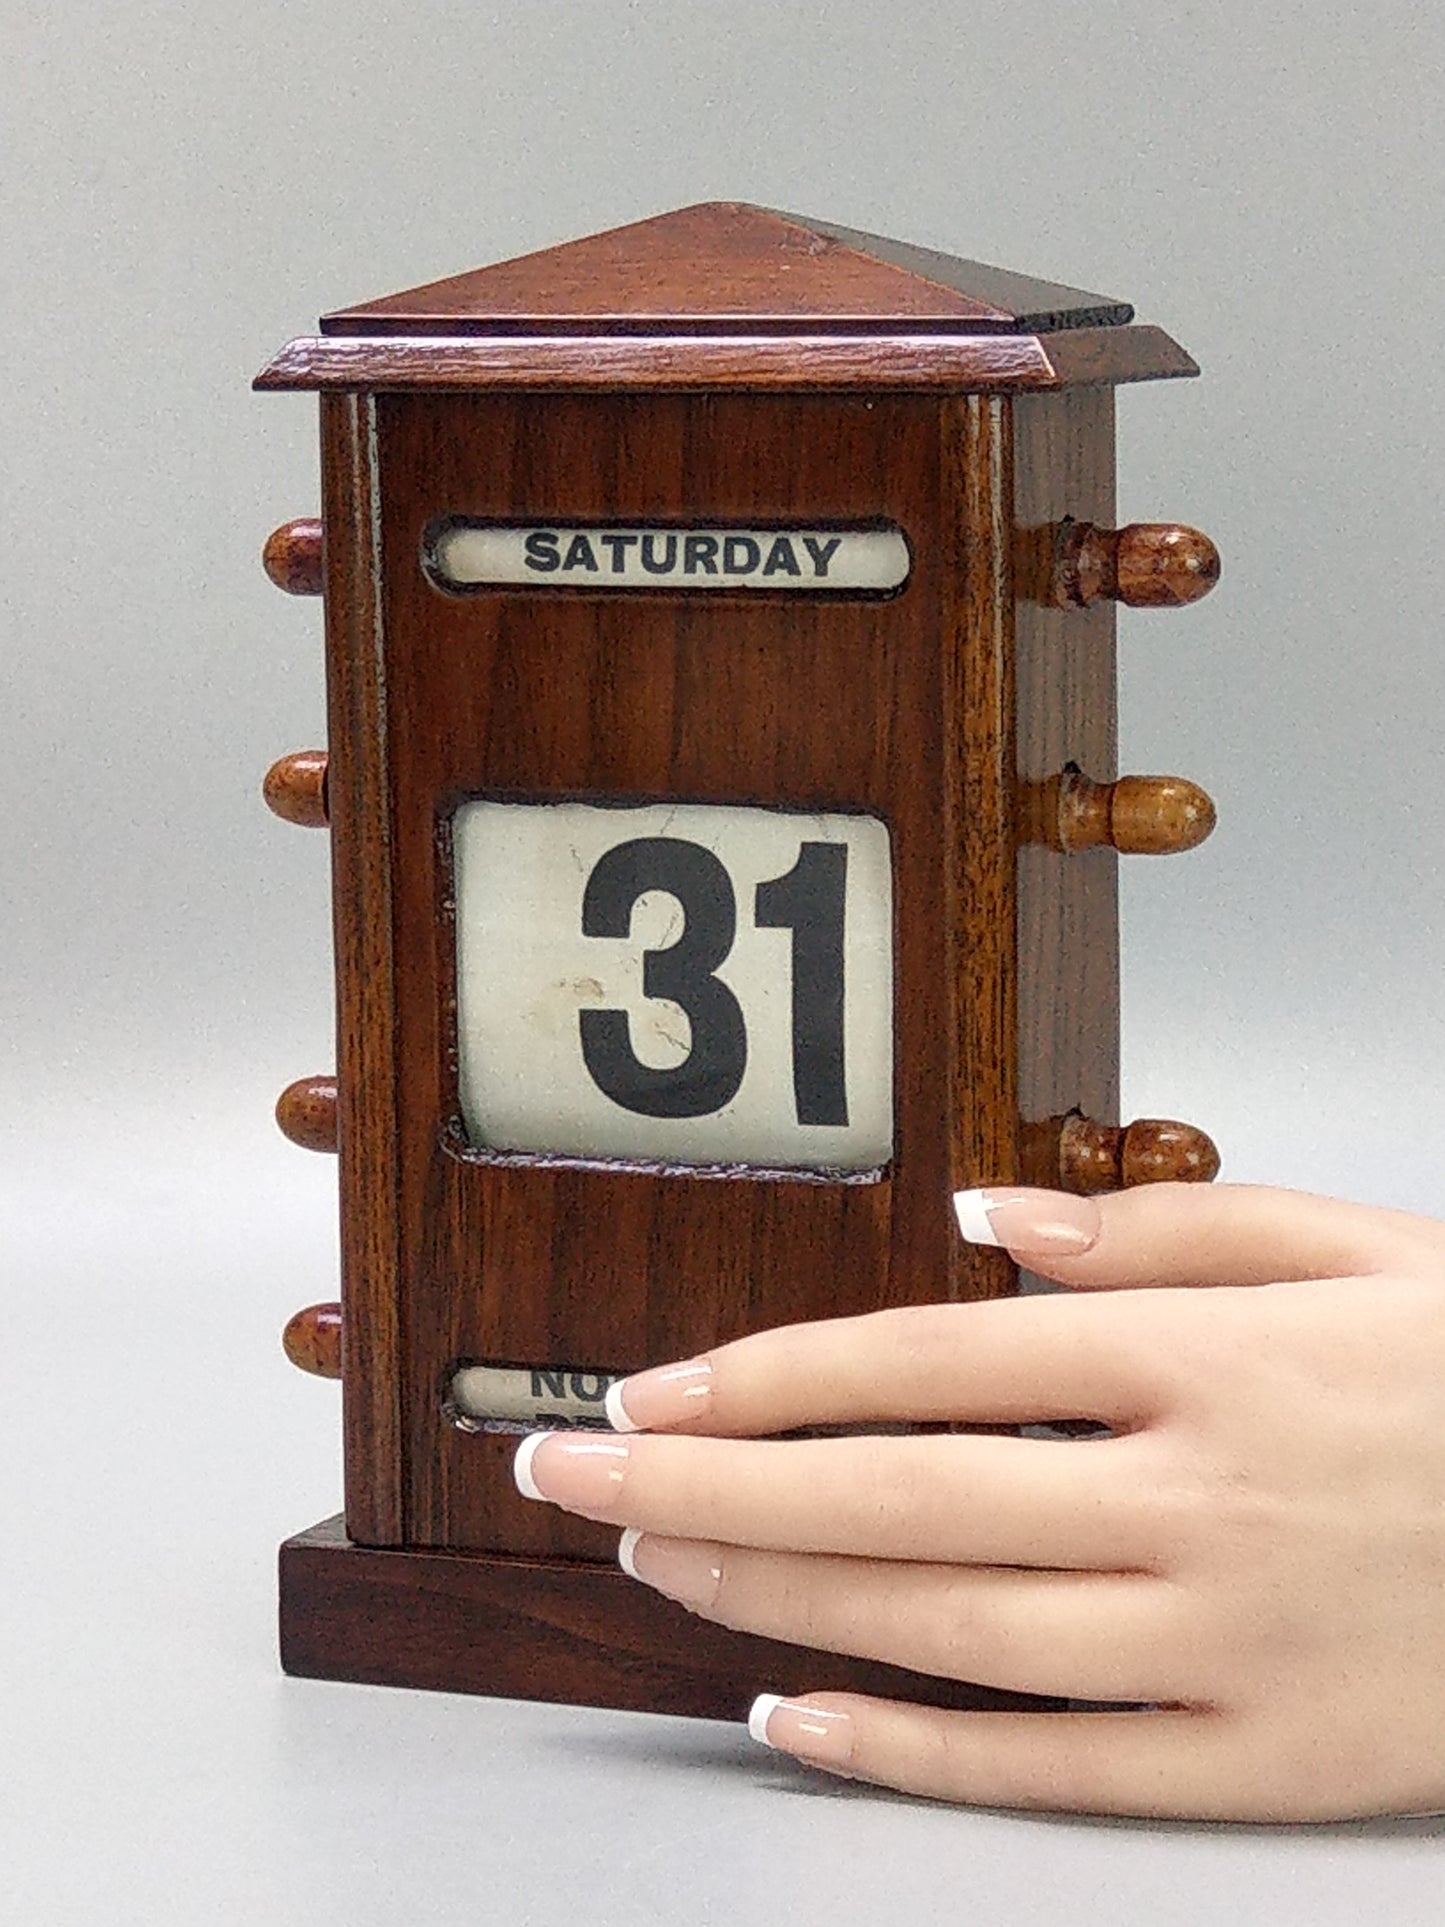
1197, 1234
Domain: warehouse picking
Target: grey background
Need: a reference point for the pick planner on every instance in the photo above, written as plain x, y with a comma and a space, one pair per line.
183, 188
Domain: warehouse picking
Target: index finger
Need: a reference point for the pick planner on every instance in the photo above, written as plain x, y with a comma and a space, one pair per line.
1203, 1234
991, 1361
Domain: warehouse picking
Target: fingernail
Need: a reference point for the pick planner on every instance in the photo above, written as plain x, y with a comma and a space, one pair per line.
581, 1474
665, 1396
687, 1570
804, 1731
1044, 1224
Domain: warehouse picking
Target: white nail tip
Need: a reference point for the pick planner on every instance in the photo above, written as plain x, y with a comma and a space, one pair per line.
625, 1546
972, 1213
522, 1465
760, 1713
616, 1411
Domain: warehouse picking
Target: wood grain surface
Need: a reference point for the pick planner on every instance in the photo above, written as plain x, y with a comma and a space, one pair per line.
363, 938
295, 788
292, 556
1094, 1156
1136, 815
306, 1112
904, 708
724, 366
312, 1340
727, 265
552, 1630
896, 707
1068, 943
1148, 565
932, 363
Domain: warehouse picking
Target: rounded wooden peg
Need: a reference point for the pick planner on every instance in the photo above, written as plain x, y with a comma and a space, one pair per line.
1137, 815
295, 788
292, 556
1158, 815
1097, 1157
312, 1341
1148, 565
306, 1112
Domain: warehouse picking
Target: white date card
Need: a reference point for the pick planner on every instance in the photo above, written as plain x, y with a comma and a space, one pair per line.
689, 983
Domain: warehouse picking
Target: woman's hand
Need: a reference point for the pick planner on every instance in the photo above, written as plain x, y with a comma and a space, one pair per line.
1257, 1554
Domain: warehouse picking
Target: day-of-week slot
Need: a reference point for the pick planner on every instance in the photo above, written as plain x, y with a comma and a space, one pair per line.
469, 555
521, 1397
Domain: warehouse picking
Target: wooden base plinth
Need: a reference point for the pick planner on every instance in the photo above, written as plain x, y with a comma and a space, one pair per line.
549, 1630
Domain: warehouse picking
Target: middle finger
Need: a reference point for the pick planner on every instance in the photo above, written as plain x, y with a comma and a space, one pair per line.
951, 1498
1091, 1636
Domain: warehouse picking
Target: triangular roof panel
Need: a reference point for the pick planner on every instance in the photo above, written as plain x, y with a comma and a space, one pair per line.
724, 267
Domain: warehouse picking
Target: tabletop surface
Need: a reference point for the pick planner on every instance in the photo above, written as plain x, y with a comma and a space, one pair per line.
160, 1769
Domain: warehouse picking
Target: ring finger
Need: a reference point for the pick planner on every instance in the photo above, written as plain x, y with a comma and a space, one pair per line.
1094, 1636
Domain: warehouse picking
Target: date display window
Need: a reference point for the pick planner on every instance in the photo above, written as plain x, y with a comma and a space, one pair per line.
678, 983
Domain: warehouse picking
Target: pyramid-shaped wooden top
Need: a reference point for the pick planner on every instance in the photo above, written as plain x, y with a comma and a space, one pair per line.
724, 267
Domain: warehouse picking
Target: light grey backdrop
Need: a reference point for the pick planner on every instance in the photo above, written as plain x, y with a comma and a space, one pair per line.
184, 187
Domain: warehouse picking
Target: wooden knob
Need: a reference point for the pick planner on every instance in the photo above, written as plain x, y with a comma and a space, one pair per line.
1137, 815
295, 788
306, 1112
1152, 1150
1148, 565
312, 1341
292, 556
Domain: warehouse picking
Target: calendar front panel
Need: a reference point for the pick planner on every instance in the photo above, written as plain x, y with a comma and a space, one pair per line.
632, 1116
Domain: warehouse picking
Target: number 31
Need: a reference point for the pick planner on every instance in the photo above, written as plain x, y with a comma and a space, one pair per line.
809, 900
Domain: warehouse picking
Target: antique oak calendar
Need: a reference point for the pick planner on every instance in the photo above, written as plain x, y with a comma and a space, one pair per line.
724, 820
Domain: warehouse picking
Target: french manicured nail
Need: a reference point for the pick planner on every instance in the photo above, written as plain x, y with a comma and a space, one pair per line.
804, 1731
580, 1473
667, 1395
687, 1570
1042, 1224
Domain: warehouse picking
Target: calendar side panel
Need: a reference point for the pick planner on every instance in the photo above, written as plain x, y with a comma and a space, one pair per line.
751, 700
362, 883
1068, 919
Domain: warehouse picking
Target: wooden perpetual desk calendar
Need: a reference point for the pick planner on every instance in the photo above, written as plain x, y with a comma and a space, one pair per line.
723, 813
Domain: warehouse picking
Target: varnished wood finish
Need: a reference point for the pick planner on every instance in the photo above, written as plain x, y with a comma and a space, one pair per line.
733, 267
1068, 1032
1067, 899
358, 788
1148, 565
841, 379
292, 556
312, 1341
1075, 1153
551, 1630
296, 788
937, 364
1135, 815
1103, 1157
893, 707
1019, 301
931, 362
978, 803
306, 1113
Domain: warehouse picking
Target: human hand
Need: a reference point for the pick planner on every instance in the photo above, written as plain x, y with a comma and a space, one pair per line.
1257, 1552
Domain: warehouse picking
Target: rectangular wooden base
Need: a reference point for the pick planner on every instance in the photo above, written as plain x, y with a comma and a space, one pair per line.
550, 1630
